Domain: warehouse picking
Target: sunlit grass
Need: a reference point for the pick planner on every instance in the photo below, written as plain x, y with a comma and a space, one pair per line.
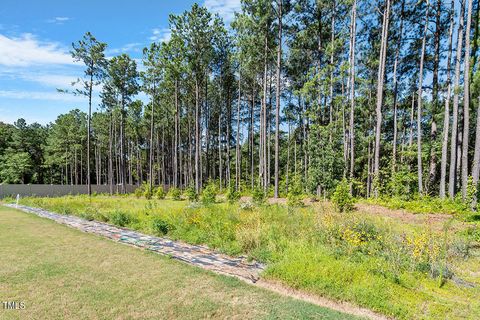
61, 273
375, 261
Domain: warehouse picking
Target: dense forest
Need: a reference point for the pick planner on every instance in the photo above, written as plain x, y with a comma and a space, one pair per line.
384, 94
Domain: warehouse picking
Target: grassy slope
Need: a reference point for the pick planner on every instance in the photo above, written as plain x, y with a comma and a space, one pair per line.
284, 239
62, 273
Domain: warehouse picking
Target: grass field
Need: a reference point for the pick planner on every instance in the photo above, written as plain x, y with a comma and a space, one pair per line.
402, 265
60, 273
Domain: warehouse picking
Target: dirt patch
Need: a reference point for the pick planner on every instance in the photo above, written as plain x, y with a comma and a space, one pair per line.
282, 201
433, 219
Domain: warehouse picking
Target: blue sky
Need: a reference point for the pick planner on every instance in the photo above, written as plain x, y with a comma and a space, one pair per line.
36, 36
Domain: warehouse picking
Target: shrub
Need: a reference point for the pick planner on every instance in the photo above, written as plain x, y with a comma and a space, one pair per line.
175, 193
160, 193
258, 195
471, 193
147, 191
120, 218
402, 184
139, 192
86, 215
102, 217
341, 198
160, 226
191, 193
232, 194
294, 196
209, 194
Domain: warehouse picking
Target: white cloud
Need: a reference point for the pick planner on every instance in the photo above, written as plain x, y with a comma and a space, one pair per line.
129, 47
52, 80
27, 51
225, 8
161, 35
40, 95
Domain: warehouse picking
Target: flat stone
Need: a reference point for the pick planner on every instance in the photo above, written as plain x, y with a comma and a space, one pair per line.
197, 255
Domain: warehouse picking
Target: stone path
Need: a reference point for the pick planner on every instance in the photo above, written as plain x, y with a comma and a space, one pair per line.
196, 255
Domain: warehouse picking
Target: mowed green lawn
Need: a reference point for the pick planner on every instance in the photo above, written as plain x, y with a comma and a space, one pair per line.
61, 273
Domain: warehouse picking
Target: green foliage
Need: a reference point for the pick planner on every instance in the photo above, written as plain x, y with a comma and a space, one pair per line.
209, 193
232, 194
160, 193
341, 198
139, 192
15, 166
191, 193
175, 193
160, 226
294, 197
402, 184
258, 195
120, 218
472, 193
147, 191
426, 204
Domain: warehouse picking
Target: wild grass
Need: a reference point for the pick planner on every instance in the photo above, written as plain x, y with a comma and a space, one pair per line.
394, 268
427, 204
61, 273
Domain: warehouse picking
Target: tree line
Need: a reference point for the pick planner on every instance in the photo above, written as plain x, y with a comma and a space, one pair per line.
382, 93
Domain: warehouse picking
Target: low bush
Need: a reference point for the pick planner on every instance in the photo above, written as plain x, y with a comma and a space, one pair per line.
139, 192
232, 194
160, 193
120, 218
191, 193
175, 194
87, 216
209, 194
160, 226
341, 198
147, 191
294, 196
258, 195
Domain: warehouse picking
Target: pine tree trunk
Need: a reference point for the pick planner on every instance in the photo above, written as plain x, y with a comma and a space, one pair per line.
220, 163
176, 138
237, 142
277, 98
332, 56
466, 102
452, 178
412, 116
432, 176
252, 140
122, 149
263, 127
89, 120
151, 141
419, 105
197, 137
353, 33
110, 154
381, 76
446, 117
476, 155
395, 91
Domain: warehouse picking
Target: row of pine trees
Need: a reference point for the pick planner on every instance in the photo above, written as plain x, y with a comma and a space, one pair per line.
383, 93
